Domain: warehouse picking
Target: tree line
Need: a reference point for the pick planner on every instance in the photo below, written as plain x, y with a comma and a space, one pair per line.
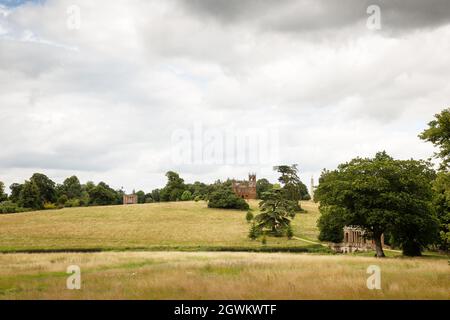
40, 192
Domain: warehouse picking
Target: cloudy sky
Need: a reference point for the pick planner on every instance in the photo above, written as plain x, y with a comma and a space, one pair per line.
122, 91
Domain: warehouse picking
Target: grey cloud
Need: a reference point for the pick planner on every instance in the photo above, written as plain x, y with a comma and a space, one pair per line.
307, 15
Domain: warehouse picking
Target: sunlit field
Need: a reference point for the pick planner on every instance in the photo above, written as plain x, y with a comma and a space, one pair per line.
219, 275
158, 226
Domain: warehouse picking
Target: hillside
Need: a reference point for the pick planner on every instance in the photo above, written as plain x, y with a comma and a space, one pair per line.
156, 226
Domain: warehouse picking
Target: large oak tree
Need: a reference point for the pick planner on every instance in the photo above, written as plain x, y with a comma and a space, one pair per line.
382, 194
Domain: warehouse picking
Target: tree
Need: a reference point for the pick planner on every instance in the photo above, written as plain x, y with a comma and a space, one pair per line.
198, 189
45, 186
30, 196
293, 189
186, 196
3, 195
63, 199
72, 188
156, 195
438, 133
254, 232
249, 216
331, 224
174, 187
102, 194
276, 212
118, 195
141, 196
225, 198
382, 194
88, 187
15, 188
84, 198
218, 186
262, 185
441, 202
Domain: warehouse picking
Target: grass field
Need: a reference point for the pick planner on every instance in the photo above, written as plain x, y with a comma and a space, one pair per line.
219, 275
144, 254
158, 226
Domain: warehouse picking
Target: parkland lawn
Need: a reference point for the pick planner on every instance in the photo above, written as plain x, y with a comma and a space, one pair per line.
152, 251
157, 226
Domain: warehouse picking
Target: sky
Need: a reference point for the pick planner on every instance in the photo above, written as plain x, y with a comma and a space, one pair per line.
123, 91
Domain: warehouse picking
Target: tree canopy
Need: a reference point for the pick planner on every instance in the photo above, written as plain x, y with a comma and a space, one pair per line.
438, 133
441, 202
103, 194
46, 187
174, 187
71, 187
3, 195
262, 185
30, 196
225, 198
276, 212
380, 194
293, 188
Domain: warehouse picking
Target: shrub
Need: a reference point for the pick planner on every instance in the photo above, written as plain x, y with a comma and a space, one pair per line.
226, 199
10, 207
197, 198
72, 203
63, 199
289, 232
49, 206
249, 216
186, 196
264, 240
254, 231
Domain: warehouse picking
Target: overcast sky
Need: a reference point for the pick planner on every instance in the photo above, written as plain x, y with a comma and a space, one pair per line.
109, 90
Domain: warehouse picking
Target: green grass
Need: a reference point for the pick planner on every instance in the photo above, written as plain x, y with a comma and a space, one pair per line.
305, 224
180, 226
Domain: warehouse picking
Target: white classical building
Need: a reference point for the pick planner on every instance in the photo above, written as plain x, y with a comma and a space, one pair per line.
355, 239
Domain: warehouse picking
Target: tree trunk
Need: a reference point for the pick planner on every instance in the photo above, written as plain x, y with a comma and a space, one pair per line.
378, 245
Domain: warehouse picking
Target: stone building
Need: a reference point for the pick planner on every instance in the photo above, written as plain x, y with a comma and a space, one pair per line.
130, 199
355, 239
246, 189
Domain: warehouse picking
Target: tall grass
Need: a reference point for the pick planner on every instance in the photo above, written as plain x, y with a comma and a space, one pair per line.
209, 275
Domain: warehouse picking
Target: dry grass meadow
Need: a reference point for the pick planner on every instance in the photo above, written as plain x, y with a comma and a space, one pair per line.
159, 251
219, 275
158, 226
